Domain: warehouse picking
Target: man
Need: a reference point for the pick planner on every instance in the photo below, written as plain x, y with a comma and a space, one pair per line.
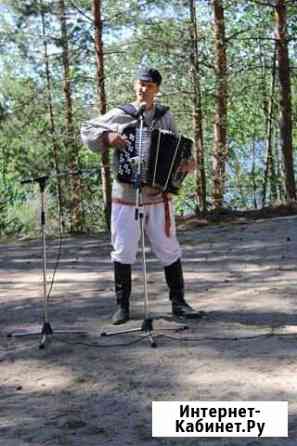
159, 225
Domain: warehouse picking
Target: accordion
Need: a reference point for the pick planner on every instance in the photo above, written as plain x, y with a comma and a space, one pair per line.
162, 153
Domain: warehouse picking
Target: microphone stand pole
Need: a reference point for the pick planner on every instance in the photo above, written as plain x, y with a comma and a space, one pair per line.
46, 329
147, 324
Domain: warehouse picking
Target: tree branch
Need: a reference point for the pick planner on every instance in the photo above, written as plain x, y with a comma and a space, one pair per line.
90, 19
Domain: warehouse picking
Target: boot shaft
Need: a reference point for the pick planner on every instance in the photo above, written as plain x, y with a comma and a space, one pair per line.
175, 280
122, 281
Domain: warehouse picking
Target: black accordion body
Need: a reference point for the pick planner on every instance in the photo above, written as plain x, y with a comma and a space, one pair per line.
162, 154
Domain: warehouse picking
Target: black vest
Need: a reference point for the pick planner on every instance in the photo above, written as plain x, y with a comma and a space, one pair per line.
131, 110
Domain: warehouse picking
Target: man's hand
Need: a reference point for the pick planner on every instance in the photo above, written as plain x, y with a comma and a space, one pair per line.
187, 166
116, 140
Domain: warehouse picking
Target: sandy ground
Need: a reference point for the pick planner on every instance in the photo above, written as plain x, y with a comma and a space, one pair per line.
96, 391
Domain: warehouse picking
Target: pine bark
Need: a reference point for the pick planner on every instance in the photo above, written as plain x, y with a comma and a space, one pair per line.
285, 97
220, 151
269, 174
197, 112
102, 105
71, 145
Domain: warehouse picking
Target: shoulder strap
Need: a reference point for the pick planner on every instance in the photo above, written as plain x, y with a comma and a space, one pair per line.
160, 111
131, 110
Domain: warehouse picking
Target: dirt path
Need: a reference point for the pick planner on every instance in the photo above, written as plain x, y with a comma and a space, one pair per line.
90, 391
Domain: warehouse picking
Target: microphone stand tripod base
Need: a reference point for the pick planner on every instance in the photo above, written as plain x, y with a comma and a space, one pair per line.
45, 334
147, 329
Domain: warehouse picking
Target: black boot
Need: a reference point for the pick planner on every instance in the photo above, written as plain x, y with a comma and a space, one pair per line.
122, 278
175, 282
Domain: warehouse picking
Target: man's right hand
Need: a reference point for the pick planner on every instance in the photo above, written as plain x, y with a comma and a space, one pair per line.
116, 140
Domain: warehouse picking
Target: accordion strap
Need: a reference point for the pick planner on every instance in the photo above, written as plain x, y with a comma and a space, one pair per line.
160, 111
129, 109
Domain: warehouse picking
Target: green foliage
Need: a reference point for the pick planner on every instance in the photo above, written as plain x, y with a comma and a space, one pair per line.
16, 214
185, 202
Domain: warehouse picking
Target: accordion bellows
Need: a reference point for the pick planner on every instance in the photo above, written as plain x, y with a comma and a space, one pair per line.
162, 153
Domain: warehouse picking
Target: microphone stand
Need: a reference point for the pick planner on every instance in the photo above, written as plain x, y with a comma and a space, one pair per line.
147, 324
46, 329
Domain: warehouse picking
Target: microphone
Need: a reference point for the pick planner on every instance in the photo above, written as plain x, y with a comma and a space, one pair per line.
32, 180
27, 181
141, 108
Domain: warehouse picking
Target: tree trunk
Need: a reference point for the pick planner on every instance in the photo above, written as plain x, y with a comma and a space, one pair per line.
220, 152
101, 98
55, 144
285, 97
270, 162
70, 143
281, 193
197, 112
253, 173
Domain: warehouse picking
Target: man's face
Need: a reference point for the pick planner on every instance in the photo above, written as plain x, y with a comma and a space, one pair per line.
145, 91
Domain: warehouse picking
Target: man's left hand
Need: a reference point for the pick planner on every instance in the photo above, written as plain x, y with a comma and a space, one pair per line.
187, 166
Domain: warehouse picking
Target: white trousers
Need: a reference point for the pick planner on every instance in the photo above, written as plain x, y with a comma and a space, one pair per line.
126, 233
